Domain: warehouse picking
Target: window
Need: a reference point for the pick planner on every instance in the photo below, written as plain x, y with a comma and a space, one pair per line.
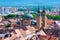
33, 23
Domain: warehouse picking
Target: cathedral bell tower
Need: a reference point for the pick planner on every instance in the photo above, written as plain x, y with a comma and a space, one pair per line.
43, 19
38, 19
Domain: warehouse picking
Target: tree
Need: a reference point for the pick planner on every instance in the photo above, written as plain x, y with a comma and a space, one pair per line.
5, 17
56, 17
34, 15
49, 16
8, 25
11, 16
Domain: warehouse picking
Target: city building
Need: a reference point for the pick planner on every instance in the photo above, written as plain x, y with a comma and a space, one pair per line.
1, 18
8, 10
1, 10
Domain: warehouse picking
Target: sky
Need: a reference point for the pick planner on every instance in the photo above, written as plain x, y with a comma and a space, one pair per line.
29, 2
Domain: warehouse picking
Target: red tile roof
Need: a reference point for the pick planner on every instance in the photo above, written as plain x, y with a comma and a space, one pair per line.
47, 37
24, 28
49, 22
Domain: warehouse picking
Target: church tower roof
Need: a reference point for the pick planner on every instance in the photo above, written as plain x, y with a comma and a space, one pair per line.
38, 9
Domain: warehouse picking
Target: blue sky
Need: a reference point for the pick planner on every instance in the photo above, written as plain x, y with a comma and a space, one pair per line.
29, 2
